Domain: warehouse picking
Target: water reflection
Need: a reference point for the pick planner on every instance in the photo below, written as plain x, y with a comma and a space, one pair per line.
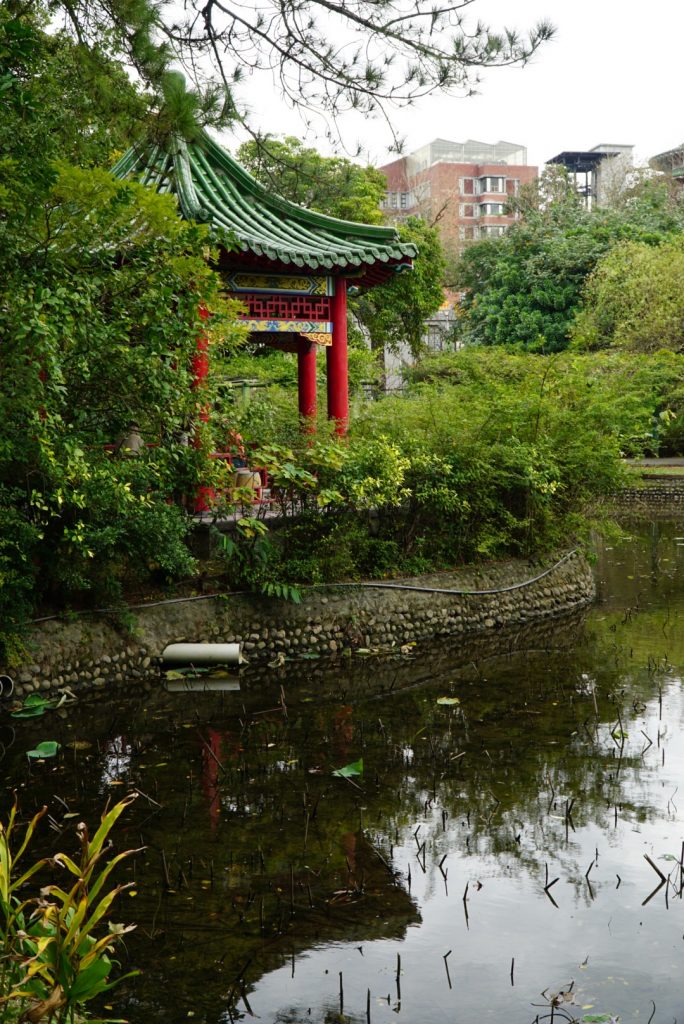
496, 844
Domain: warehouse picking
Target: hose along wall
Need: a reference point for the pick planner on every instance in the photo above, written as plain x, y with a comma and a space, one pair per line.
366, 585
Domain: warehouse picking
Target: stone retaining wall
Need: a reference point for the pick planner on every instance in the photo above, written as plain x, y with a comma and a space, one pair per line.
94, 651
662, 497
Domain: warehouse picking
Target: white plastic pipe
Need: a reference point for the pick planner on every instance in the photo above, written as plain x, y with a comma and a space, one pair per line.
202, 654
6, 686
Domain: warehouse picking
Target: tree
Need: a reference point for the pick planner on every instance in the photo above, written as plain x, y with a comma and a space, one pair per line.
650, 200
99, 288
394, 314
331, 185
61, 100
97, 335
326, 55
635, 299
525, 288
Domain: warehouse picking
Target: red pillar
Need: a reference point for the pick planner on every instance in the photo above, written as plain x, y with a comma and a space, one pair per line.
200, 371
336, 360
200, 363
306, 378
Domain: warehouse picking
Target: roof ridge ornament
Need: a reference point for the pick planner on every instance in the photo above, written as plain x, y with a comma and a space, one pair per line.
190, 204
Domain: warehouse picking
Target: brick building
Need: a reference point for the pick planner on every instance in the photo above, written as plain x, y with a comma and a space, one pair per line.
461, 187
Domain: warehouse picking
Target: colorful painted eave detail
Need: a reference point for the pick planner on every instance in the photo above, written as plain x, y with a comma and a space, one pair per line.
318, 331
213, 188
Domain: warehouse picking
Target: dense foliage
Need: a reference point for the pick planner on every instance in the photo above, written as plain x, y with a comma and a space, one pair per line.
97, 336
332, 185
487, 454
635, 299
524, 289
393, 315
100, 286
60, 100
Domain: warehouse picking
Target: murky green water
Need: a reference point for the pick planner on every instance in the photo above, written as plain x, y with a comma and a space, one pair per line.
271, 887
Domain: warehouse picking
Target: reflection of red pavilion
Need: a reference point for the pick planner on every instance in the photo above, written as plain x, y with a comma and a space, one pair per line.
289, 266
211, 759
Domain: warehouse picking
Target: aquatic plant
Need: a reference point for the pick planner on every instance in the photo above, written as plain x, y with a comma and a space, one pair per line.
55, 949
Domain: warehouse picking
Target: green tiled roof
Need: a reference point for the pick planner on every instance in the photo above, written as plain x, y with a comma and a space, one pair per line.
213, 188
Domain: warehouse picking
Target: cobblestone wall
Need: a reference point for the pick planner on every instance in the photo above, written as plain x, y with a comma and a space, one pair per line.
663, 498
95, 652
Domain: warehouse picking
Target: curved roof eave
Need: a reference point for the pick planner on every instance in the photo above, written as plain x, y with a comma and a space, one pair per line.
213, 188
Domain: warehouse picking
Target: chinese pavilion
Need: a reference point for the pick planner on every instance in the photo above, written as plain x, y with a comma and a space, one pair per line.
290, 267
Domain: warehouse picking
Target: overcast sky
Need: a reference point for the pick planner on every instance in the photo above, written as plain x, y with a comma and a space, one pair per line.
612, 74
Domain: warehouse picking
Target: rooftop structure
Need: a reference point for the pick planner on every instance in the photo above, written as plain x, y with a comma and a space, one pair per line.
589, 162
578, 161
470, 152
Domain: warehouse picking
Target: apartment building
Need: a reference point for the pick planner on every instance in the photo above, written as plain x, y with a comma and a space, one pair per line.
460, 187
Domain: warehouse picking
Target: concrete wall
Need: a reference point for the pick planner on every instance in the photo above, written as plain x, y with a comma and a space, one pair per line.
95, 651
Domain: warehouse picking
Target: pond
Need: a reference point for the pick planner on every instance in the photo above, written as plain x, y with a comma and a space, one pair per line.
495, 851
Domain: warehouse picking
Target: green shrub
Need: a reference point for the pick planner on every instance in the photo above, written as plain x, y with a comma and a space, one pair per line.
486, 455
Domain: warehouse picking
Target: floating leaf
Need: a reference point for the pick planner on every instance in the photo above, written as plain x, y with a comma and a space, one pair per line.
48, 748
448, 700
33, 707
355, 768
598, 1018
78, 745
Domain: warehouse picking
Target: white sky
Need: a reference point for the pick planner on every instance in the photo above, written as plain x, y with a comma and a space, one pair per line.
612, 74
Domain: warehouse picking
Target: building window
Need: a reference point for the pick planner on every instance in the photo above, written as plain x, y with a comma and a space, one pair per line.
492, 184
468, 186
512, 186
492, 209
492, 230
404, 200
466, 232
468, 210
